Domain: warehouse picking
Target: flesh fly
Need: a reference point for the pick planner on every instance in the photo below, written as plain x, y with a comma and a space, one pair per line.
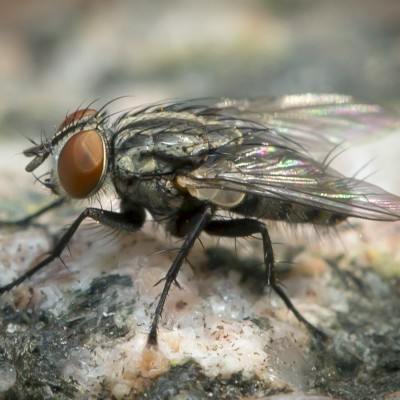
185, 162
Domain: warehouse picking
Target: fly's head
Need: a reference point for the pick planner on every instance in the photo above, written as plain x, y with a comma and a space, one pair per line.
79, 154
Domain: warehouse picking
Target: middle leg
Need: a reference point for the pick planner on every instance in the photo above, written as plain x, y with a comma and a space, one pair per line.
193, 227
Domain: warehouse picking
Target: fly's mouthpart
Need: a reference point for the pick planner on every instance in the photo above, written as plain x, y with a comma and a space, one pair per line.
46, 182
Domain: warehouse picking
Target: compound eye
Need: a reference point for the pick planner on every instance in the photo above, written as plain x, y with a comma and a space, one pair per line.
76, 116
81, 164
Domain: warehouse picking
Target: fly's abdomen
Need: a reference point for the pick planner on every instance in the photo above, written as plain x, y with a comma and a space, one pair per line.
278, 210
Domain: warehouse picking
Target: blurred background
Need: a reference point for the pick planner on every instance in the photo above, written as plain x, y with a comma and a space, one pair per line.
57, 55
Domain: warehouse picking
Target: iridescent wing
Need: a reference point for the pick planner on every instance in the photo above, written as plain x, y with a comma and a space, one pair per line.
320, 121
270, 170
317, 122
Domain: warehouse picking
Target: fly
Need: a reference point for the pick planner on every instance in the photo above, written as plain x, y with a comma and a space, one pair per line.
188, 162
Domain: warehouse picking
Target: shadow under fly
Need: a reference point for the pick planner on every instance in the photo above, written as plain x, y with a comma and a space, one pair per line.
184, 162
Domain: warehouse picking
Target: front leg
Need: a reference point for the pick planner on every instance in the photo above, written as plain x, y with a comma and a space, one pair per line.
126, 221
193, 226
29, 218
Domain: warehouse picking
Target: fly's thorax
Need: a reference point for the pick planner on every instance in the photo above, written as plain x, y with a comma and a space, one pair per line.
162, 142
159, 195
80, 157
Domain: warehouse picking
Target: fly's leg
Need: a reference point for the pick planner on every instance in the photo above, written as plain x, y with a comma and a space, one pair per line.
127, 221
197, 222
29, 218
246, 227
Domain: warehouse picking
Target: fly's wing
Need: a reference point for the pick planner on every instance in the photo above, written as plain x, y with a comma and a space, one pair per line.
280, 172
317, 122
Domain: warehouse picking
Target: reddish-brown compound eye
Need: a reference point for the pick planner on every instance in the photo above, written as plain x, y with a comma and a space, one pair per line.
73, 118
81, 164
